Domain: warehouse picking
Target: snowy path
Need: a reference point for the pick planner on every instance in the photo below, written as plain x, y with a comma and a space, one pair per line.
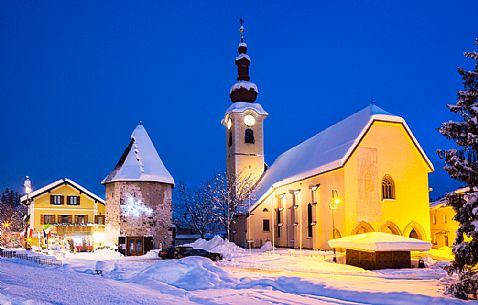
22, 282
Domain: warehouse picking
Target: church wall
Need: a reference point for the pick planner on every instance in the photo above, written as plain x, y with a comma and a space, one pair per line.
387, 149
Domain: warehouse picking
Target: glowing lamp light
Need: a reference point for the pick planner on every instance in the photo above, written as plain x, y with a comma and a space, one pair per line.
27, 185
229, 123
99, 237
6, 225
249, 120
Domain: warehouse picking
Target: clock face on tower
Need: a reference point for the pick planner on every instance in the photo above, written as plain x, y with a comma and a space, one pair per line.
249, 120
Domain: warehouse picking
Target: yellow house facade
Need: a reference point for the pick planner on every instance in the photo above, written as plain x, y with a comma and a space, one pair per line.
66, 214
443, 227
366, 173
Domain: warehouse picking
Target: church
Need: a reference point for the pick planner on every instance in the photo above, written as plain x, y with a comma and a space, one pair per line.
365, 173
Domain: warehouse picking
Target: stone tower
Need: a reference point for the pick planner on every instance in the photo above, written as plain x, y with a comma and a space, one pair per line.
243, 121
138, 213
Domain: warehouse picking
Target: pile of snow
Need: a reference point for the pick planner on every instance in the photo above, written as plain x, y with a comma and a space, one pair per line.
226, 248
105, 254
190, 273
267, 246
152, 254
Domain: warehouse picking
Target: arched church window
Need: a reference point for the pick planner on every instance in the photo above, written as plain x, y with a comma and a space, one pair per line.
309, 220
229, 143
249, 136
388, 188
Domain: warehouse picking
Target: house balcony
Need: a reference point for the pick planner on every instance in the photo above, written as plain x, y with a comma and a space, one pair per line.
78, 228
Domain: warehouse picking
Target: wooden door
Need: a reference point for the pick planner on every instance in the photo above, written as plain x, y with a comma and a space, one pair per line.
135, 246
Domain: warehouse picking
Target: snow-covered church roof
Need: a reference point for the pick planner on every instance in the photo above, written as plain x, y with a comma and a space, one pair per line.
140, 161
327, 150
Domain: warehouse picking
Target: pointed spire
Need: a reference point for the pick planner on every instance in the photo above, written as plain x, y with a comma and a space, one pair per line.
243, 90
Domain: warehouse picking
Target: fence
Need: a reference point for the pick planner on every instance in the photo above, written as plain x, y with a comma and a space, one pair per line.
32, 257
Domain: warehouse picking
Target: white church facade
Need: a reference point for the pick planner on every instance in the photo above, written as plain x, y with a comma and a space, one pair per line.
365, 173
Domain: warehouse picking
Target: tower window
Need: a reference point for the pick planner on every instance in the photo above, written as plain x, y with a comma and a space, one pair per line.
388, 188
229, 143
249, 136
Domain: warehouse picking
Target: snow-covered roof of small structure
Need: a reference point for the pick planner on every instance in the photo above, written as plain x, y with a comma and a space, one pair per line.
140, 161
244, 84
60, 182
243, 44
327, 150
379, 241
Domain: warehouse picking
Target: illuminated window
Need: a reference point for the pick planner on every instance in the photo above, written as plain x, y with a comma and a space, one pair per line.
434, 219
73, 200
64, 219
56, 199
249, 136
81, 219
100, 219
388, 188
48, 219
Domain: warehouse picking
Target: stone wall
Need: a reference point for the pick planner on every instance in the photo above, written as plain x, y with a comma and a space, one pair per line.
136, 208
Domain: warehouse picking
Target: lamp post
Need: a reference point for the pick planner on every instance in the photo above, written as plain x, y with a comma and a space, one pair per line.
27, 184
333, 205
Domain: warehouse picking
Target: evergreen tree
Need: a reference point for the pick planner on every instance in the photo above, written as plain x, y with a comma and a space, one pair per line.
462, 165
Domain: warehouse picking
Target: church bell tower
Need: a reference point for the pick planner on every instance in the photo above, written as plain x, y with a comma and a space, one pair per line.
243, 122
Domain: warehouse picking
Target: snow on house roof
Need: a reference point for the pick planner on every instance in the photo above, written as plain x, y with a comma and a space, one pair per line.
442, 202
57, 183
327, 150
379, 241
140, 161
244, 84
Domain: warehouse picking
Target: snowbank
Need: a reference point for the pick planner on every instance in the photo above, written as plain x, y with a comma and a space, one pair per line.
226, 248
190, 273
107, 254
267, 246
152, 254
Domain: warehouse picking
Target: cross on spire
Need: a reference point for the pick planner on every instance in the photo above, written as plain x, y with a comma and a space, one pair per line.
241, 28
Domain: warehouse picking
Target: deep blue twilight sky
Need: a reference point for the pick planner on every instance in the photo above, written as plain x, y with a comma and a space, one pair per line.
77, 76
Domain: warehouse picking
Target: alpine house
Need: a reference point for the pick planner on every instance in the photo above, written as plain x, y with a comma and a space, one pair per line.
139, 198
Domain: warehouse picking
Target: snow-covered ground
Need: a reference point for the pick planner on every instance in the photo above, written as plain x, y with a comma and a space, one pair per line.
245, 277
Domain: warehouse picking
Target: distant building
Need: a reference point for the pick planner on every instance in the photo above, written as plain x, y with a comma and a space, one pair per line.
369, 163
443, 226
139, 198
65, 213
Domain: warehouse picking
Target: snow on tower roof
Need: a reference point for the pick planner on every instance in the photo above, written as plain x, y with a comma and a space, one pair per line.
244, 84
379, 241
140, 161
327, 150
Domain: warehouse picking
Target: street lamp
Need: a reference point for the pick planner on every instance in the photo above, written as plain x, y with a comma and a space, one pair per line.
333, 205
27, 184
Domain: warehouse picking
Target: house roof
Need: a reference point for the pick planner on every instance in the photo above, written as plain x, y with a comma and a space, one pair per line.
58, 183
327, 150
379, 241
140, 161
442, 202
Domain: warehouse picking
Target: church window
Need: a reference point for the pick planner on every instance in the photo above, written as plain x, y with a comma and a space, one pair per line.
265, 225
388, 188
309, 220
444, 218
229, 143
249, 136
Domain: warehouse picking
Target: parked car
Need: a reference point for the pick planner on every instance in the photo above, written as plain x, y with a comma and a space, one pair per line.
211, 255
175, 252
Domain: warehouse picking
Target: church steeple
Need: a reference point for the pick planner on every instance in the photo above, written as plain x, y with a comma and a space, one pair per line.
243, 90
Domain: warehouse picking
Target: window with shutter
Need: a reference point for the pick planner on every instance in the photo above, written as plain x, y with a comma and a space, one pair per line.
42, 219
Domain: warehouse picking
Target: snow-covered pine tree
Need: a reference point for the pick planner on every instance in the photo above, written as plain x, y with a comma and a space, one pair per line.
462, 165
